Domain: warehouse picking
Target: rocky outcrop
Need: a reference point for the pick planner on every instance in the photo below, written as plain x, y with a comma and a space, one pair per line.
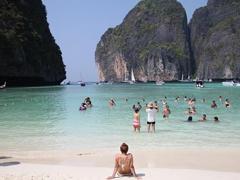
153, 40
215, 39
28, 52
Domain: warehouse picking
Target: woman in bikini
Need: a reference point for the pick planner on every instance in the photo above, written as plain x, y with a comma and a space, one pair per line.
136, 120
124, 163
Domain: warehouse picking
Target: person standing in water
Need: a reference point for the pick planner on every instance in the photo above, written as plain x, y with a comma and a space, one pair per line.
227, 103
166, 112
152, 111
136, 120
214, 105
111, 103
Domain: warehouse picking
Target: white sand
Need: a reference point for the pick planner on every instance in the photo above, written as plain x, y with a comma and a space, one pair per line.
54, 172
167, 164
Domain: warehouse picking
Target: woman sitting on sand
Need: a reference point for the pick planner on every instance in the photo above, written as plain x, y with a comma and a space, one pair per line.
123, 163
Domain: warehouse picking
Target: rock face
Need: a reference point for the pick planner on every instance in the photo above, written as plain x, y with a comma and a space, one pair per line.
28, 52
215, 39
153, 41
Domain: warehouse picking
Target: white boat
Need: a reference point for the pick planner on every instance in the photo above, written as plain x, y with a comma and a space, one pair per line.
228, 83
231, 83
160, 83
133, 80
3, 86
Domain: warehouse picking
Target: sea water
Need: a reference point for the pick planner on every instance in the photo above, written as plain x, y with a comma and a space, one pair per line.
48, 118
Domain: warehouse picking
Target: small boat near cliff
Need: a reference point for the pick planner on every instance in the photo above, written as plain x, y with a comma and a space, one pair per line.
133, 80
4, 85
199, 84
231, 83
160, 83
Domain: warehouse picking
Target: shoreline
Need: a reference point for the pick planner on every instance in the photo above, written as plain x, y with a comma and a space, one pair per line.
212, 159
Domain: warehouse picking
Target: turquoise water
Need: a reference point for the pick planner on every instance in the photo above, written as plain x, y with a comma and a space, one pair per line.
47, 118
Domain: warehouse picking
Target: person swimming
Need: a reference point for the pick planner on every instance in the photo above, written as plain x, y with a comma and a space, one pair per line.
204, 118
83, 107
166, 112
189, 119
213, 105
111, 102
227, 103
88, 102
216, 119
220, 99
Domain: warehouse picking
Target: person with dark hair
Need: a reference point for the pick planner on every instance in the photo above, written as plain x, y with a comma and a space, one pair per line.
216, 119
204, 118
213, 105
111, 102
227, 103
189, 119
136, 120
137, 106
88, 102
83, 107
124, 163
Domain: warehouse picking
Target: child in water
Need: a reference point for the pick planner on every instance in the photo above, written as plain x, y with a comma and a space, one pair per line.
136, 120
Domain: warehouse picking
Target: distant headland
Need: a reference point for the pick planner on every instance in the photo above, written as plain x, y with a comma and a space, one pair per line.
156, 43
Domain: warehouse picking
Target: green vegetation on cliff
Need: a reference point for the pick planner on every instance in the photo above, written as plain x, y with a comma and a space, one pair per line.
154, 32
28, 52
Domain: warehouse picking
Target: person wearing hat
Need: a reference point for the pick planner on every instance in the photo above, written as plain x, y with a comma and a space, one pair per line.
152, 111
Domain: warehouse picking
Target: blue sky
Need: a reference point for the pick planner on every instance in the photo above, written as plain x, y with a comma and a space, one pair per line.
78, 25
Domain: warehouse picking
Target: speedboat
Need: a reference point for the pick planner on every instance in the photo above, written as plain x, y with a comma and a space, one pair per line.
228, 83
160, 83
231, 83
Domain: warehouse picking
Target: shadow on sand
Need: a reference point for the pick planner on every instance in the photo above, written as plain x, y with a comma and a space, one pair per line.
5, 157
13, 163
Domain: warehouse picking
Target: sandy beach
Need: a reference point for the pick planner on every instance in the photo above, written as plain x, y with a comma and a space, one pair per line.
171, 164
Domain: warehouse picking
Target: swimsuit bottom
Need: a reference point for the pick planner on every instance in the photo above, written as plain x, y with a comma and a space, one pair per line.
150, 122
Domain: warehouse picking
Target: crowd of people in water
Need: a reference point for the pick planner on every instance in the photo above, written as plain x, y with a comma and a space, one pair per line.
152, 108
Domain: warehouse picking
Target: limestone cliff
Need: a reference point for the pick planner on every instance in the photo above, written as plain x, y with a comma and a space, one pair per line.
215, 39
28, 52
153, 40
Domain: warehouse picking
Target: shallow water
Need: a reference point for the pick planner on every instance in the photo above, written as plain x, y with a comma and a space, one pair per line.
47, 118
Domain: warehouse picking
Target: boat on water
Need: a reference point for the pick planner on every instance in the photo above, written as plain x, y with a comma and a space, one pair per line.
4, 85
199, 84
81, 83
231, 83
160, 83
133, 80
